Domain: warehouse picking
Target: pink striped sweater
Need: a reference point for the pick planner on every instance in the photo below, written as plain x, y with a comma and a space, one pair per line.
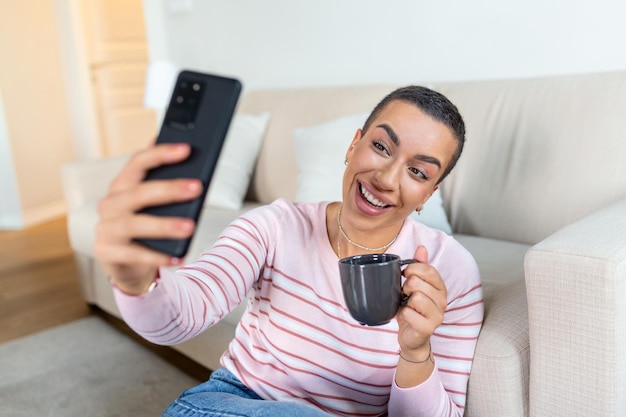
296, 341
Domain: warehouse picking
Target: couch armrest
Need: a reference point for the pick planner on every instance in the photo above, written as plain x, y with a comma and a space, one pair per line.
576, 286
88, 181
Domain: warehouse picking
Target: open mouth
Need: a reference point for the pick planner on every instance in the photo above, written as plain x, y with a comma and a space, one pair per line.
373, 201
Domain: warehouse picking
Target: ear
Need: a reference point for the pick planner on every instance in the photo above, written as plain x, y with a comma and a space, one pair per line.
357, 137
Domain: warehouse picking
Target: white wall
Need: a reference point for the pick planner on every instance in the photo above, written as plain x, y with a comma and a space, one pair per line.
282, 43
36, 132
10, 210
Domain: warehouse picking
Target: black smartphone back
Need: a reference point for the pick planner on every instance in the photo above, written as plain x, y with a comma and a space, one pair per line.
199, 113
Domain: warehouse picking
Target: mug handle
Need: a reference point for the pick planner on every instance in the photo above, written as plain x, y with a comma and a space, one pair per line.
404, 262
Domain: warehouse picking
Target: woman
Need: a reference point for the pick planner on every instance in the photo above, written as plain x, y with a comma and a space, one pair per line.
297, 351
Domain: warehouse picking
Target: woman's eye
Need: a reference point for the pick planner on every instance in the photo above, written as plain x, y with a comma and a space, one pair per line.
419, 173
379, 146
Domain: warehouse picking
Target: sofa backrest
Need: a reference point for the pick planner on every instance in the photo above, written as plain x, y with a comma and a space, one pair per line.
540, 153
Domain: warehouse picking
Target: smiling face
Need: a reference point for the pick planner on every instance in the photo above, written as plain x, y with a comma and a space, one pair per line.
394, 167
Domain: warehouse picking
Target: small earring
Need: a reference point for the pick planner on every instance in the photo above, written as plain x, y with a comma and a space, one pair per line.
345, 162
419, 211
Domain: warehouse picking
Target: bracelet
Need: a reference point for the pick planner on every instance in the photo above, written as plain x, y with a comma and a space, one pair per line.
430, 356
150, 288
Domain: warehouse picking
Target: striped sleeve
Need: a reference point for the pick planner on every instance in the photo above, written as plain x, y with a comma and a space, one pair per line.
453, 345
196, 296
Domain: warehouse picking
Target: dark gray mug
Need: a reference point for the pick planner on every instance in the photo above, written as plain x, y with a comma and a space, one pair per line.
372, 286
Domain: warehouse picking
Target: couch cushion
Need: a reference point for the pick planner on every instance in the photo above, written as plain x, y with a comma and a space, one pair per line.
81, 227
236, 162
320, 155
498, 385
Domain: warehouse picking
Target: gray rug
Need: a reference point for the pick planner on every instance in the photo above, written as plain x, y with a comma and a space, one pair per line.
86, 368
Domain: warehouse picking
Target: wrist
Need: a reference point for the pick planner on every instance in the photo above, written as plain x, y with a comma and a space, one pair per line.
418, 357
414, 366
135, 290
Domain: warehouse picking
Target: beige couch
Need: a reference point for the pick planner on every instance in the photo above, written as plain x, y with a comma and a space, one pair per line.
539, 198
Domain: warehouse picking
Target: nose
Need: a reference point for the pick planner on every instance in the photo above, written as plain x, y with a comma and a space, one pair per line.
388, 176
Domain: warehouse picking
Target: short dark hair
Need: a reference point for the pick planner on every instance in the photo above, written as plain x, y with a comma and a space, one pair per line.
434, 104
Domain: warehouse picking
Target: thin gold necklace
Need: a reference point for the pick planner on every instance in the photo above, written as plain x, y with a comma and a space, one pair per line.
343, 233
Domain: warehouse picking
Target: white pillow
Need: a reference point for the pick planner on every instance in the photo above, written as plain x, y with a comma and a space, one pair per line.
236, 162
433, 214
320, 155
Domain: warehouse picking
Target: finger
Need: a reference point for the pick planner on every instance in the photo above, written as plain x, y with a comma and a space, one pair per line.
420, 294
423, 323
424, 272
148, 194
115, 244
126, 229
131, 254
421, 254
427, 301
141, 162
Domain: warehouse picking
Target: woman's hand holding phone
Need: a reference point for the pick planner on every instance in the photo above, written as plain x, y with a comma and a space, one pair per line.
149, 216
132, 266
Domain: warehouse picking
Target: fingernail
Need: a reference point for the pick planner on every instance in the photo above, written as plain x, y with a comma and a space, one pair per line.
193, 186
180, 148
185, 225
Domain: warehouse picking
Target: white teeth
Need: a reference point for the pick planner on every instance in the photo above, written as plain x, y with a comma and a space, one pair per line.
371, 199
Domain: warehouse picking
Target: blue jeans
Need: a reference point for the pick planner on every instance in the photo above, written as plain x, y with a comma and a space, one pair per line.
224, 395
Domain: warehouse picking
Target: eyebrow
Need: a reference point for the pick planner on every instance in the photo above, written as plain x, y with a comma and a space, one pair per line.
396, 141
429, 159
392, 135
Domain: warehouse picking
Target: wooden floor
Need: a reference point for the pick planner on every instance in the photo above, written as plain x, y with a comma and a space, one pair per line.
38, 284
39, 289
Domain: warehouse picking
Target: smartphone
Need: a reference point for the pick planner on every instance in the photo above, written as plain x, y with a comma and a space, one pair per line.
199, 113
